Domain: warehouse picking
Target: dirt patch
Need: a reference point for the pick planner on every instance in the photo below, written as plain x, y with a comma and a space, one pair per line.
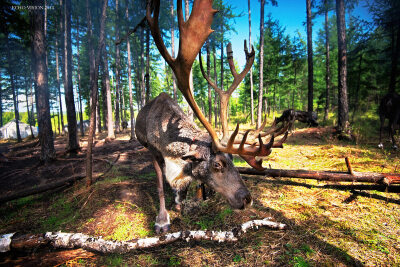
22, 169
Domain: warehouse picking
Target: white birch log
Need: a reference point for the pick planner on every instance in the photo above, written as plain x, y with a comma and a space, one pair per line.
98, 244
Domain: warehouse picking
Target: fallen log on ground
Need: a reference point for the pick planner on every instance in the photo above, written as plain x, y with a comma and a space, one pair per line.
9, 242
40, 189
49, 186
365, 177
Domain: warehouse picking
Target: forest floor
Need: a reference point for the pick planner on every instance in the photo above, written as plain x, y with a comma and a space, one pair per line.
327, 224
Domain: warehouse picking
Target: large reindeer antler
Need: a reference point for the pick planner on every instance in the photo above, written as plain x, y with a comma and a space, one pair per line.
192, 35
248, 153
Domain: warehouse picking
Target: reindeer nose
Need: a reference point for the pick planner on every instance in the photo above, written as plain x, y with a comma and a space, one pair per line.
244, 197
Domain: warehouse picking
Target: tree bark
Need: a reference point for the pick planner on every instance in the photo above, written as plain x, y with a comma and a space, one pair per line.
327, 64
147, 76
73, 144
365, 177
98, 117
261, 74
128, 48
251, 71
215, 93
98, 244
13, 89
79, 85
42, 91
209, 87
106, 77
58, 84
142, 79
27, 82
94, 73
343, 108
117, 68
173, 47
310, 59
190, 111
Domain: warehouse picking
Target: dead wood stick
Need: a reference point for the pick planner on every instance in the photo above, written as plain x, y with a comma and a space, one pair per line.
365, 177
349, 168
79, 240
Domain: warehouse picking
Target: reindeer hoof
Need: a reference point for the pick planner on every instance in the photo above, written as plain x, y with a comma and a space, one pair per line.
162, 223
162, 229
178, 207
380, 146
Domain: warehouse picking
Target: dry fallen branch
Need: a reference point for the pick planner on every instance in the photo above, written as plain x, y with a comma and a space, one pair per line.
49, 186
78, 240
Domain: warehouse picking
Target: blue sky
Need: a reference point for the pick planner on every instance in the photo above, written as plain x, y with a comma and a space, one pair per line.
290, 14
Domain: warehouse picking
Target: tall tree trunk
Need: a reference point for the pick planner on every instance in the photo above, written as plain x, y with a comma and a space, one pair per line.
27, 82
103, 95
356, 100
135, 63
173, 46
117, 68
261, 74
295, 84
106, 77
79, 81
58, 120
128, 48
343, 108
223, 103
42, 91
98, 117
13, 89
94, 74
327, 64
142, 79
215, 93
209, 87
122, 103
33, 122
190, 111
58, 83
73, 144
395, 58
251, 72
148, 90
310, 59
52, 119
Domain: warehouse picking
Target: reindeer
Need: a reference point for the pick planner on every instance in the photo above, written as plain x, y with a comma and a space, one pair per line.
389, 108
302, 116
181, 152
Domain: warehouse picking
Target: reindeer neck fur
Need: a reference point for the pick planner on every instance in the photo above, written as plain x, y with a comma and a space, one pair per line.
168, 133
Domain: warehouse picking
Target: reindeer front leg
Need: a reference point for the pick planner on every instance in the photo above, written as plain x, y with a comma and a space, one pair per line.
162, 220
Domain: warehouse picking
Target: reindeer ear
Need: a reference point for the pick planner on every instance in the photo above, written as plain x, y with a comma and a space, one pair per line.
192, 156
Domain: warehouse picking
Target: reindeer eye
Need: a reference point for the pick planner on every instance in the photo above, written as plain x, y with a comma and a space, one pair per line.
217, 165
